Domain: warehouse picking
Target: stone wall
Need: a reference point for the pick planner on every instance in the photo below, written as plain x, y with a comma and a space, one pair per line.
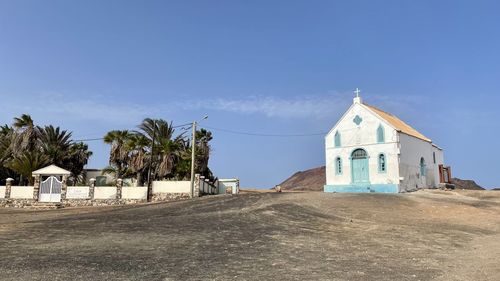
169, 196
18, 203
97, 196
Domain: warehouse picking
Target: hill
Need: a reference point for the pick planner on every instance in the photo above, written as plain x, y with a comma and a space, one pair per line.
312, 180
466, 184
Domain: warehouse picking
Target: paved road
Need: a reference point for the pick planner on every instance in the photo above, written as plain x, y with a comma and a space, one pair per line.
261, 236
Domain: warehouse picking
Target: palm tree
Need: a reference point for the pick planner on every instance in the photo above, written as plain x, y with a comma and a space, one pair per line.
77, 157
203, 152
155, 146
5, 142
27, 162
169, 153
25, 134
165, 149
55, 143
25, 147
118, 156
137, 146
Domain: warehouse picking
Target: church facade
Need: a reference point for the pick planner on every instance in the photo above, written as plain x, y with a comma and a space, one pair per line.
370, 150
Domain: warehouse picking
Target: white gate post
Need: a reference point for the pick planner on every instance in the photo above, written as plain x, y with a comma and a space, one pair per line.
8, 187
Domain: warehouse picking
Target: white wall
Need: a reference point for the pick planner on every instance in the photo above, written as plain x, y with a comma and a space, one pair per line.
134, 192
77, 192
412, 149
21, 192
231, 185
105, 192
171, 187
362, 136
2, 191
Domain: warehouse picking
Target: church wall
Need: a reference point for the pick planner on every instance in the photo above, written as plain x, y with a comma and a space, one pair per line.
439, 160
412, 149
364, 136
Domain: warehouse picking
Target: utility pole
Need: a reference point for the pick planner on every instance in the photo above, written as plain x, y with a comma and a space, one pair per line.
150, 191
193, 145
193, 148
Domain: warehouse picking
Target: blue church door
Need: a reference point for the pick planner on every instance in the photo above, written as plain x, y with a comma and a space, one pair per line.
359, 160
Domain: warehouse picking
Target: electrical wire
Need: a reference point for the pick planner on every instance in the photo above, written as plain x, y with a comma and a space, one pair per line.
232, 132
264, 135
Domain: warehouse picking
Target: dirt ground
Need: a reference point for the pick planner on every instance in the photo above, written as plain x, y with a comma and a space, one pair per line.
426, 235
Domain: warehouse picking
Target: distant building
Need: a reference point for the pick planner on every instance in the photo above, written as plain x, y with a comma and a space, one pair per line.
231, 186
370, 150
101, 179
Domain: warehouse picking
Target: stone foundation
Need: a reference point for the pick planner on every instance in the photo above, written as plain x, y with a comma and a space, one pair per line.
29, 203
19, 203
158, 197
103, 202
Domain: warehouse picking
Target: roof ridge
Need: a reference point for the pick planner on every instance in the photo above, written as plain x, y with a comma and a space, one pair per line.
397, 123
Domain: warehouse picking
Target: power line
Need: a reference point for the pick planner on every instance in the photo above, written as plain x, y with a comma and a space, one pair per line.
264, 135
96, 139
190, 124
231, 132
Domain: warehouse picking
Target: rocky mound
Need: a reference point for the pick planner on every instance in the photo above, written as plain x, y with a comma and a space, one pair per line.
466, 184
312, 180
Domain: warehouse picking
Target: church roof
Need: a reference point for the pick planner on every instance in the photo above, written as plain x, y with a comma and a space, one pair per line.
397, 123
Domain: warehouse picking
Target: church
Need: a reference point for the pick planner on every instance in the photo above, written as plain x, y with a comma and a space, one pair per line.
370, 150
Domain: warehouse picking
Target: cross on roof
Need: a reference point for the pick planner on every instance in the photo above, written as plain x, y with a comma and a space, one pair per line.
357, 91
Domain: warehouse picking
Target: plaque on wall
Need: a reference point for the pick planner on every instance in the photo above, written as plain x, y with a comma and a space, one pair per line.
77, 192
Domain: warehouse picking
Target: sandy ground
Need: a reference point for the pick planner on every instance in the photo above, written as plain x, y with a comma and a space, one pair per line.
427, 235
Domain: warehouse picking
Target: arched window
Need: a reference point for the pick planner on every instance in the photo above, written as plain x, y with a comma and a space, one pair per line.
338, 166
380, 134
382, 165
337, 139
359, 154
422, 167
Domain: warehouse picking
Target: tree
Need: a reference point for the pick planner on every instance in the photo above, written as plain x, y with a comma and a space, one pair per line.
137, 145
118, 156
156, 146
165, 148
77, 157
26, 162
203, 137
25, 135
55, 144
25, 147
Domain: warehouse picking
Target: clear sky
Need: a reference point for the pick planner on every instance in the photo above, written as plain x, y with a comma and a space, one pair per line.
271, 67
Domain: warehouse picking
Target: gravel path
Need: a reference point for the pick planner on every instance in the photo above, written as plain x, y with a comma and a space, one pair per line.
428, 235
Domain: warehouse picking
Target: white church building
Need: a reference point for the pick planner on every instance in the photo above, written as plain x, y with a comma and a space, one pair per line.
370, 150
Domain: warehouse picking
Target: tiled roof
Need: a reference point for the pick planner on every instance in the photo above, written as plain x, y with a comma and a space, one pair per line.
398, 124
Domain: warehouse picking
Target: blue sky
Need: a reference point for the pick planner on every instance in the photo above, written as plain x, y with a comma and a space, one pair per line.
272, 67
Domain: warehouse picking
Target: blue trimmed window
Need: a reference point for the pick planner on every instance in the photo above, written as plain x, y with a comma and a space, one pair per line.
423, 171
380, 134
338, 166
337, 139
382, 163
